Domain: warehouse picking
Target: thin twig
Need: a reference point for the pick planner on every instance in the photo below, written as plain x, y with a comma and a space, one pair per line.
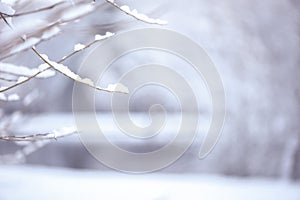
119, 8
86, 82
24, 81
114, 4
42, 136
34, 137
75, 52
5, 21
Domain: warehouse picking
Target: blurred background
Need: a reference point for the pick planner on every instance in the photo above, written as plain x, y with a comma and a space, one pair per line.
253, 44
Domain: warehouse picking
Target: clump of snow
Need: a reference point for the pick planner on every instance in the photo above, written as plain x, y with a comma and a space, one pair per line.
21, 79
102, 37
3, 88
79, 47
125, 8
45, 71
60, 67
118, 87
65, 131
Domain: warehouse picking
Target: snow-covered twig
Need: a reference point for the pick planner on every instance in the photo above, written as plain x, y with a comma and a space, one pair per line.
98, 38
68, 73
134, 13
66, 131
118, 87
32, 143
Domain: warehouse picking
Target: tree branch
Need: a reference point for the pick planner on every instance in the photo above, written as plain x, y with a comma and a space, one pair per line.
133, 13
49, 67
54, 135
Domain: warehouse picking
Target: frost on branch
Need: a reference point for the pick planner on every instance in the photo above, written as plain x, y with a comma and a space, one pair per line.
139, 16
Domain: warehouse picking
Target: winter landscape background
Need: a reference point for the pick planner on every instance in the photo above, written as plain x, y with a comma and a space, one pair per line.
255, 47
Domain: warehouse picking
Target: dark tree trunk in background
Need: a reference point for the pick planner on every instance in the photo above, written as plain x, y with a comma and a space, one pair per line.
296, 164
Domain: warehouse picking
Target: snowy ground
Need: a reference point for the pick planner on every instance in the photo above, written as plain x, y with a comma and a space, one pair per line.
27, 182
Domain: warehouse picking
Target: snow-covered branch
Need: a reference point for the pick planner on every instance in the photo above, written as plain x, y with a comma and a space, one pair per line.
49, 21
31, 143
134, 13
55, 134
42, 68
68, 73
